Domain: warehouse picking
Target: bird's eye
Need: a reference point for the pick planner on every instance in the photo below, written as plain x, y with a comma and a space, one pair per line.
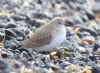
59, 22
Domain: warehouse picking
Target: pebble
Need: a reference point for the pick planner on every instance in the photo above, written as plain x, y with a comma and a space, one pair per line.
3, 65
11, 25
18, 17
9, 32
90, 15
88, 39
95, 69
7, 54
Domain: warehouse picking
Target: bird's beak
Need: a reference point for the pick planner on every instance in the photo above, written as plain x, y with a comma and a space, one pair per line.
69, 23
76, 28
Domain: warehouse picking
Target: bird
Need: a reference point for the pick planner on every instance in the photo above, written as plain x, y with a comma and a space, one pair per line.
47, 36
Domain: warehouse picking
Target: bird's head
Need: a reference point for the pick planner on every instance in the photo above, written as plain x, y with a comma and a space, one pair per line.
61, 21
57, 21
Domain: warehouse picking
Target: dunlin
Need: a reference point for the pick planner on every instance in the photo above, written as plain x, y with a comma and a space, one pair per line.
48, 36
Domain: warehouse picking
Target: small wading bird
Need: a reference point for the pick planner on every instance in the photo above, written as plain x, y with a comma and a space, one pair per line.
48, 36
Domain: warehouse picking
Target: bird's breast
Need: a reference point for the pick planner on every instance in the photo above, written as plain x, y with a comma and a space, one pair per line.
59, 31
60, 36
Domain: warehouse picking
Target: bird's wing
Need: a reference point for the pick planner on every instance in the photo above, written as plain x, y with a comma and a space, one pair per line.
37, 40
40, 39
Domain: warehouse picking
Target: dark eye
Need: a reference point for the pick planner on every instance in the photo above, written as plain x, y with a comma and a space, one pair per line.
60, 22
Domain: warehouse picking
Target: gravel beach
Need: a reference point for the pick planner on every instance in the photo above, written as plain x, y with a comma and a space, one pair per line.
79, 53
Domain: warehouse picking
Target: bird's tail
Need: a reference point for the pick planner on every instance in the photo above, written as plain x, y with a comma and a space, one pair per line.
23, 44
